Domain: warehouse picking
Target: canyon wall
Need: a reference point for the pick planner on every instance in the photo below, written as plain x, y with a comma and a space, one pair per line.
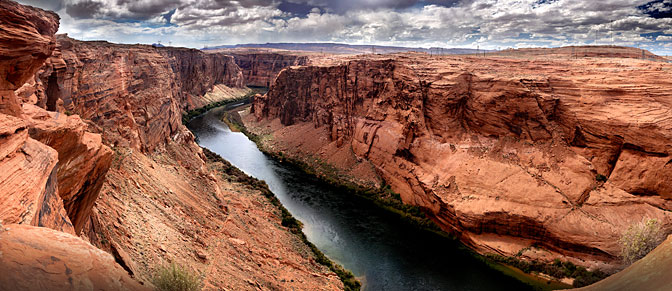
44, 162
544, 158
27, 40
134, 94
92, 144
261, 68
52, 165
161, 200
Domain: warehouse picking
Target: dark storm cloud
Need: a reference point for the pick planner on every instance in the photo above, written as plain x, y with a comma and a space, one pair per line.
84, 9
462, 23
122, 10
53, 5
147, 9
343, 6
139, 10
658, 8
296, 8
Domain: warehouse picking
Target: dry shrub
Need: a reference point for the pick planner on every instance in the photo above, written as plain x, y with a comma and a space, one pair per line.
175, 278
639, 239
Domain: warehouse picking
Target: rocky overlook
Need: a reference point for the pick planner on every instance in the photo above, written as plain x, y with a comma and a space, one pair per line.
540, 157
92, 144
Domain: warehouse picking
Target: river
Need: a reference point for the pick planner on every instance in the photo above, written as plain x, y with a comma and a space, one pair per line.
382, 250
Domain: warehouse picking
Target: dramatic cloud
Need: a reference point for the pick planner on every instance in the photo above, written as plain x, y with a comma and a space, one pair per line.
448, 23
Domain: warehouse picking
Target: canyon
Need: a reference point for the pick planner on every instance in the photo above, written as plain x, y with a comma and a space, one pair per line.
102, 184
529, 156
261, 66
538, 154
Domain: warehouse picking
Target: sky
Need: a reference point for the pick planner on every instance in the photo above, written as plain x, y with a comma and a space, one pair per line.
487, 24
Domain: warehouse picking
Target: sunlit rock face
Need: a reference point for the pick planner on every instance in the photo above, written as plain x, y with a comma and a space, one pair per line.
27, 39
134, 94
35, 258
29, 183
507, 153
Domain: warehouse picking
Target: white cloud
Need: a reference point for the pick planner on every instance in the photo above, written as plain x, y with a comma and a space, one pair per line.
486, 23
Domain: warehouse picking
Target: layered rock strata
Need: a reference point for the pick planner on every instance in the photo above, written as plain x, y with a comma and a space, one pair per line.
27, 40
162, 201
134, 94
28, 180
261, 68
83, 160
45, 168
544, 158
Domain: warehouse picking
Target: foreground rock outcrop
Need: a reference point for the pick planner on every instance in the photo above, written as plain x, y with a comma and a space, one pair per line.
28, 180
83, 160
37, 258
544, 158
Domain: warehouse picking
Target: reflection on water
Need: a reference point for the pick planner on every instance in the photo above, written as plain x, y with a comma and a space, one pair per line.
379, 248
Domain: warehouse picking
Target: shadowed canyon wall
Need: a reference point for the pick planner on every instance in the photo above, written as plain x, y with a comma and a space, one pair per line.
515, 156
261, 68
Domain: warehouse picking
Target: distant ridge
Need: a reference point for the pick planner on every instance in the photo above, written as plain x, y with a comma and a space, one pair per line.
340, 48
604, 51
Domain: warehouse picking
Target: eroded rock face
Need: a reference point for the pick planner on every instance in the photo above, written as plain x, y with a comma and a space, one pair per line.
197, 73
260, 69
28, 180
26, 41
83, 160
29, 183
36, 258
134, 94
504, 152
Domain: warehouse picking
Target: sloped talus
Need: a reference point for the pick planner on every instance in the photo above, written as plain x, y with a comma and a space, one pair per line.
650, 273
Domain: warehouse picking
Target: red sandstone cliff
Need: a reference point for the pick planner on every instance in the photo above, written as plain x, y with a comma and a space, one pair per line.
51, 170
503, 152
67, 156
27, 40
155, 199
261, 68
137, 98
